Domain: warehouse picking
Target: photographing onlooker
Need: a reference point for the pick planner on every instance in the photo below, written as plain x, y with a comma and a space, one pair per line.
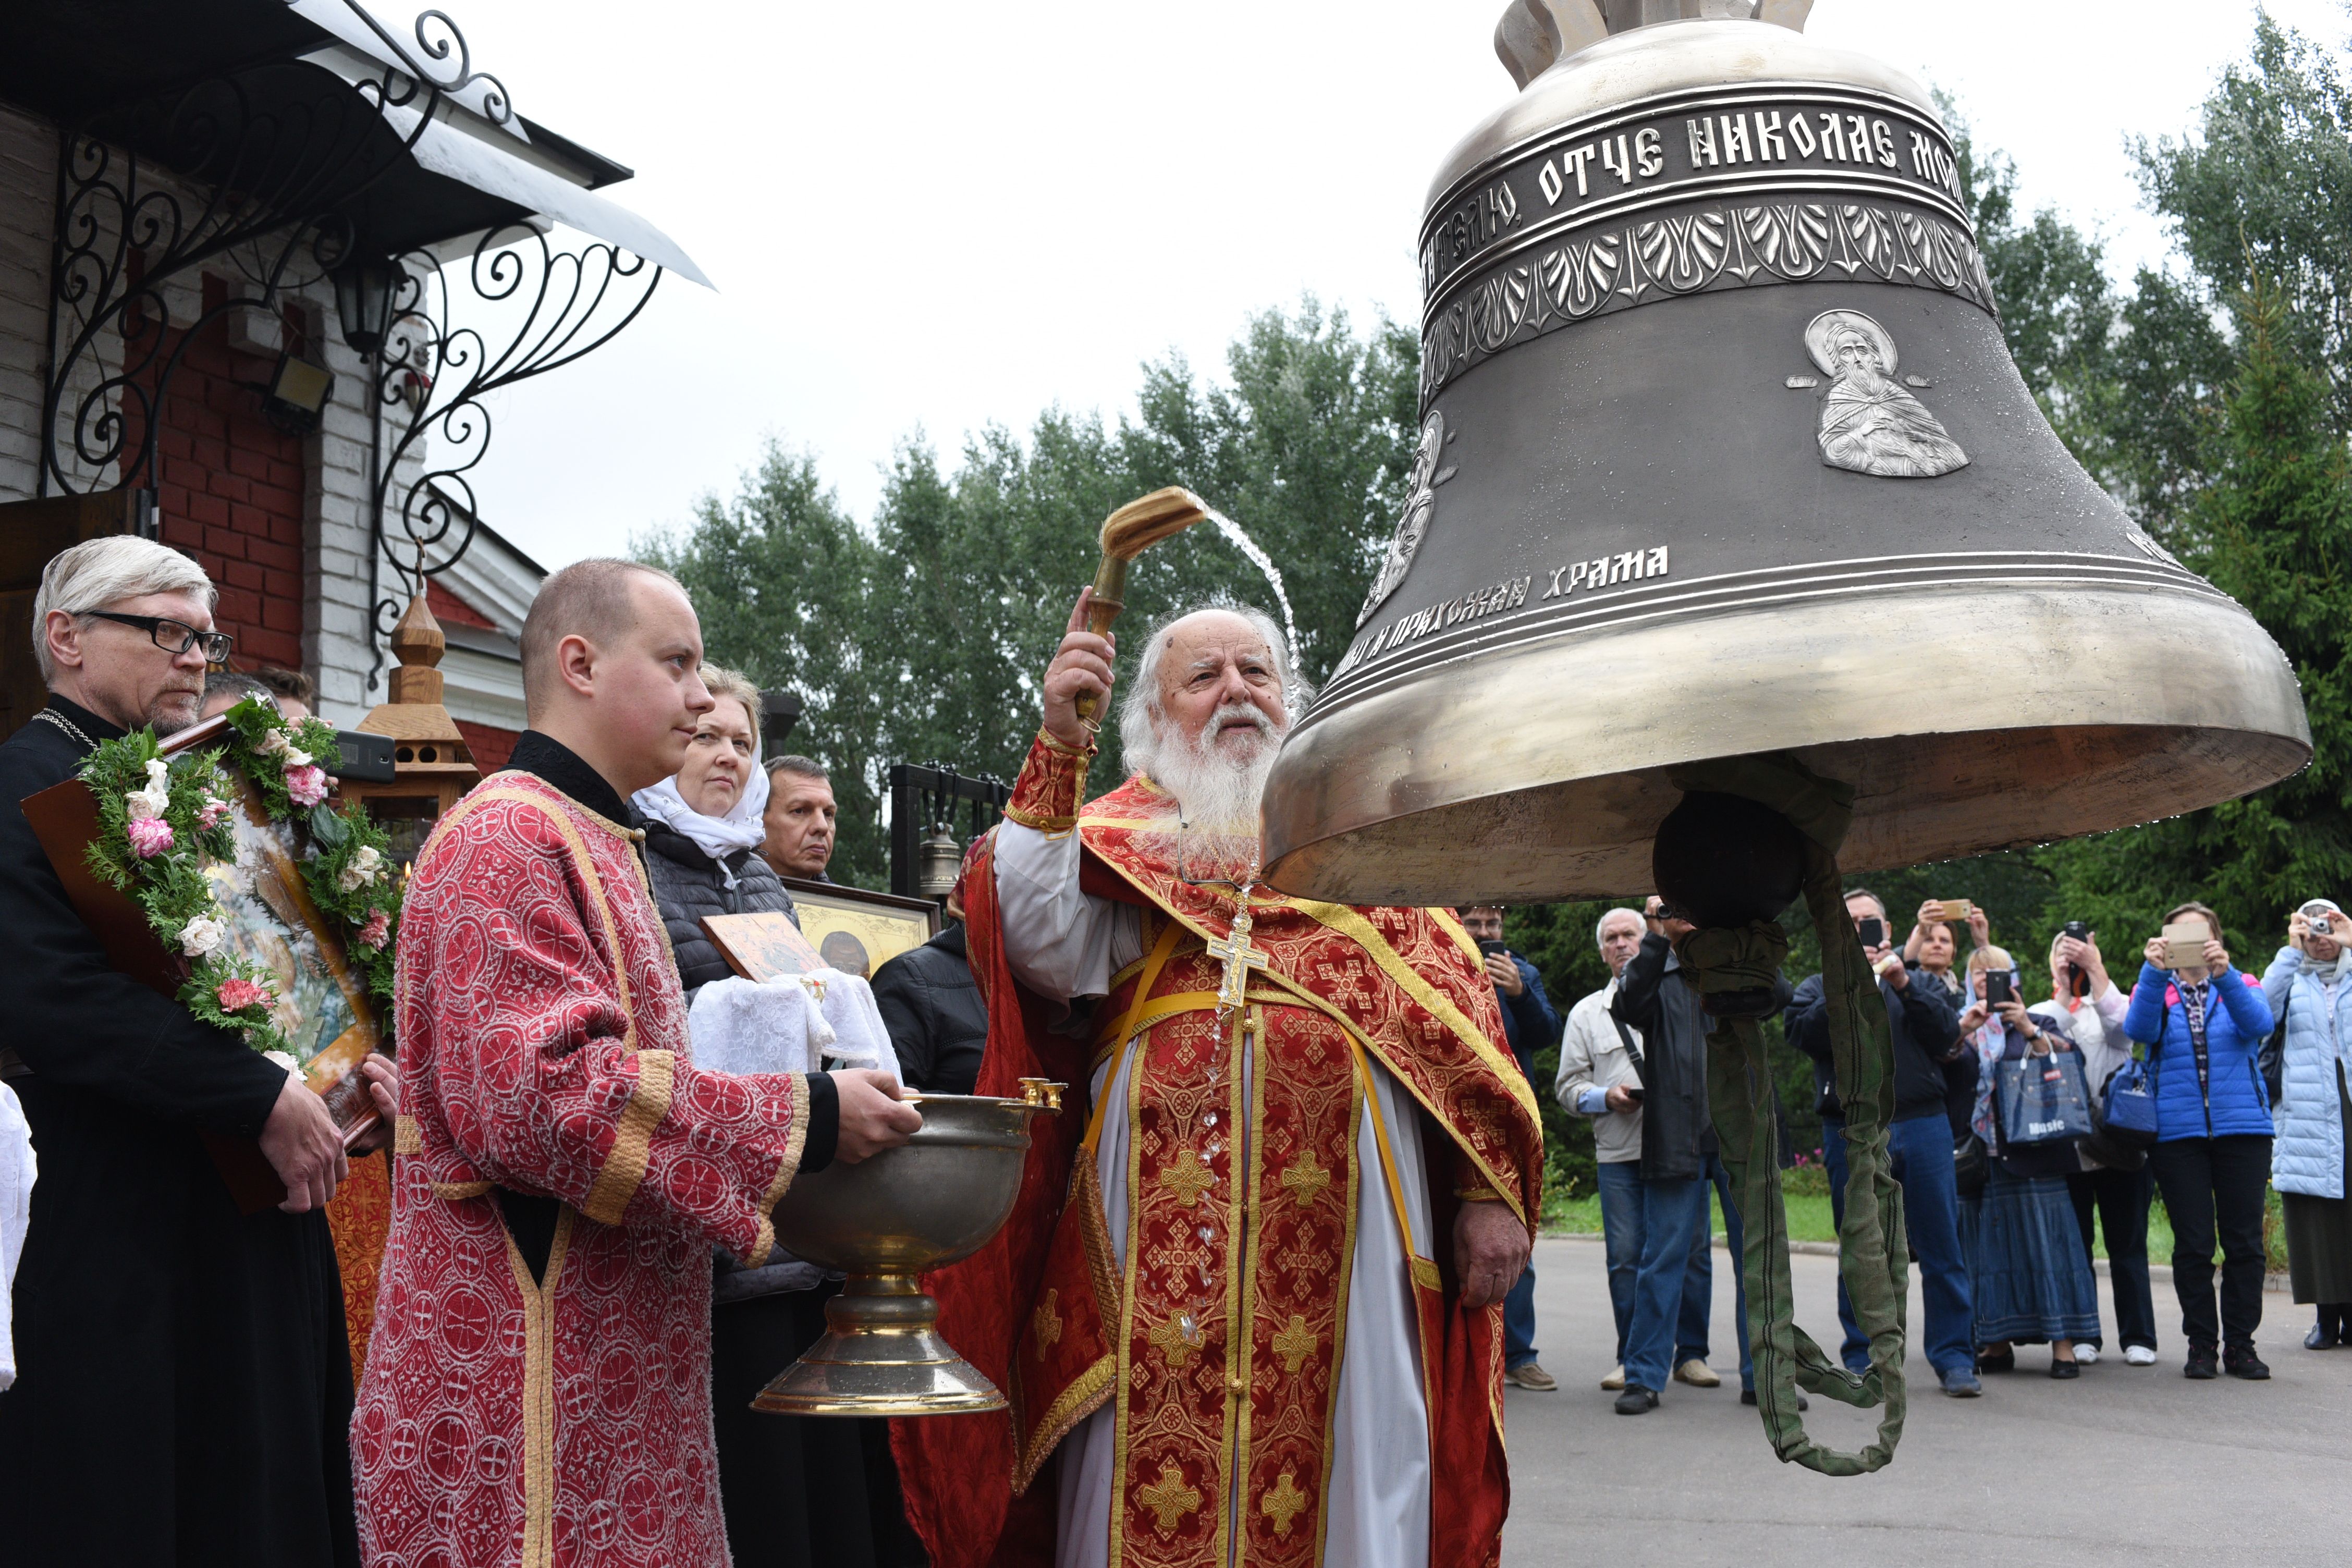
1530, 1024
2313, 1112
2112, 1189
2206, 1023
1920, 1013
1934, 952
1597, 1079
800, 818
1665, 1044
2030, 1279
931, 1005
703, 831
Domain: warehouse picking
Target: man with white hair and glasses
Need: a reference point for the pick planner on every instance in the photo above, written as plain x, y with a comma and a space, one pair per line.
184, 1383
1252, 1291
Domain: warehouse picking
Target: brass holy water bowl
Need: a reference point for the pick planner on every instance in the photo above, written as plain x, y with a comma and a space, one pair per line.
883, 1221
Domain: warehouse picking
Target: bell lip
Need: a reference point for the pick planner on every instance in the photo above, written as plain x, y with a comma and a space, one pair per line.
1476, 746
1663, 57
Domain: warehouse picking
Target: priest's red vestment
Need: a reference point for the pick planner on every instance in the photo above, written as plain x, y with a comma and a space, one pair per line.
1214, 1329
509, 1422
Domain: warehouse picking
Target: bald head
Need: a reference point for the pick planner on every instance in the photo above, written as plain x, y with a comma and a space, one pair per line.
589, 599
611, 662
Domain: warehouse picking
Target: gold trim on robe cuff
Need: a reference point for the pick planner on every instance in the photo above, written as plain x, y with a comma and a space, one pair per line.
624, 1169
458, 1191
406, 1138
763, 1244
1072, 1405
1052, 781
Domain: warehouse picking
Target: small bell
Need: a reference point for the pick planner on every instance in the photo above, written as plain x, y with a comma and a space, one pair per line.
938, 860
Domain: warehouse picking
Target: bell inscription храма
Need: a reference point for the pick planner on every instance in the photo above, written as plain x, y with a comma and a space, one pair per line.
1870, 423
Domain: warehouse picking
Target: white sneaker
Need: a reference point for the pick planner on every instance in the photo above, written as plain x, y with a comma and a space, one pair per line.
1698, 1374
1614, 1381
2087, 1355
2136, 1355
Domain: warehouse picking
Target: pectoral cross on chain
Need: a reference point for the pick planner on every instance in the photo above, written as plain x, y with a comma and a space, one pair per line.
1239, 956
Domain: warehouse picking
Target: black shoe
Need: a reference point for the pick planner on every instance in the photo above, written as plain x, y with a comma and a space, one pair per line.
2005, 1361
2200, 1365
1747, 1396
2239, 1361
2064, 1369
1636, 1399
2319, 1339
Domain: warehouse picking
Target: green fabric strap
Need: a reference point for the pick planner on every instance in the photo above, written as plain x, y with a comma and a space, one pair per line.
1872, 1252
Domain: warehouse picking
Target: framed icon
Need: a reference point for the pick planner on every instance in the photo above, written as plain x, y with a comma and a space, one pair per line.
856, 931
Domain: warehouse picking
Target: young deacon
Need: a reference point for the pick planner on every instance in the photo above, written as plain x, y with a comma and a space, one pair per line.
537, 1391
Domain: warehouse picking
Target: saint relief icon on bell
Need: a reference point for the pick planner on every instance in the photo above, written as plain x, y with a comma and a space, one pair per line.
1420, 504
1871, 424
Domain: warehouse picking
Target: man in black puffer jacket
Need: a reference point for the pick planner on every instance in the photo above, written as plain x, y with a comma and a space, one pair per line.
689, 884
932, 1006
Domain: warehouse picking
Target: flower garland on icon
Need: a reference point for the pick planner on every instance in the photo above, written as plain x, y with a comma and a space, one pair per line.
161, 819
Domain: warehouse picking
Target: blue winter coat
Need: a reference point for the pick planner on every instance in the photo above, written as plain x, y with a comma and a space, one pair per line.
2308, 1157
2237, 1021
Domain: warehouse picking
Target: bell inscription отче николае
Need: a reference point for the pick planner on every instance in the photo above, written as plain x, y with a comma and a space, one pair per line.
1631, 544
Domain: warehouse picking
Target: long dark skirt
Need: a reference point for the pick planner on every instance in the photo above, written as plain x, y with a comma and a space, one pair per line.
798, 1491
2319, 1230
2033, 1282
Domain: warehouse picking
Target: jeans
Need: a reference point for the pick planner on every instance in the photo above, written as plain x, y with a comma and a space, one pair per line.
2118, 1200
1519, 1322
1648, 1227
2210, 1184
1919, 1155
1698, 1282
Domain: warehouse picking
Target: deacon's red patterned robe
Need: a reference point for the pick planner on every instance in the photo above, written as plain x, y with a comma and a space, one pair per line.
1218, 1342
505, 1423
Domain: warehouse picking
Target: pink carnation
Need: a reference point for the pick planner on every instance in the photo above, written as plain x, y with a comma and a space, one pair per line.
150, 836
378, 930
307, 785
213, 812
236, 993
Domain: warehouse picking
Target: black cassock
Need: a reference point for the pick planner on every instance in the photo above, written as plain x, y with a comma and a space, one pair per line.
183, 1388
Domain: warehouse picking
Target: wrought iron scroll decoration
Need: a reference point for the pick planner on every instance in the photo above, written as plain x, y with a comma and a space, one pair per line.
220, 179
548, 307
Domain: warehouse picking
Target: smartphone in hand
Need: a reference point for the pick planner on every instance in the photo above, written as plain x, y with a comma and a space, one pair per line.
1997, 990
1871, 929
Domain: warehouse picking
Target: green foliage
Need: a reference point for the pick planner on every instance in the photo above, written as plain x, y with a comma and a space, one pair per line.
2270, 530
924, 638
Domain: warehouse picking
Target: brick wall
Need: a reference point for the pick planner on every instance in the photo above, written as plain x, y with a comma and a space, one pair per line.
230, 490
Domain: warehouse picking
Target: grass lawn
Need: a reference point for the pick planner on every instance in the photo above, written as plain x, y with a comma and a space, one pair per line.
1808, 1220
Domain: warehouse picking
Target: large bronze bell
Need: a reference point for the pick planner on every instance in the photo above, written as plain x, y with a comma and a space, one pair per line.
1722, 453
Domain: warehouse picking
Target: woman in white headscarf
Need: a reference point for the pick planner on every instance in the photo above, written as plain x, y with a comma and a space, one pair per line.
2312, 1113
797, 1491
703, 830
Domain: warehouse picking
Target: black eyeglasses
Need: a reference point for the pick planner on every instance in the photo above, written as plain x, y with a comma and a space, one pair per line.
175, 638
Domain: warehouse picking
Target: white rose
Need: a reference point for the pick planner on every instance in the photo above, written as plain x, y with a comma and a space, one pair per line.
297, 758
159, 777
141, 806
202, 935
272, 740
366, 866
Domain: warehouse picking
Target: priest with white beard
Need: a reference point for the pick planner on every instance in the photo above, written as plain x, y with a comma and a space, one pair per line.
1248, 1305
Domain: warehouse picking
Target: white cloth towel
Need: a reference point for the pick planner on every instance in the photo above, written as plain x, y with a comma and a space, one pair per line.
17, 1169
794, 1023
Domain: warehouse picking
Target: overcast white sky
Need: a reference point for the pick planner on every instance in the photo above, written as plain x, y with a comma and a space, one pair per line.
940, 214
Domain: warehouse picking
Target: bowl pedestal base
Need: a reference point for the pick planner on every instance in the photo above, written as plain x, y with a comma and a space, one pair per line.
881, 1355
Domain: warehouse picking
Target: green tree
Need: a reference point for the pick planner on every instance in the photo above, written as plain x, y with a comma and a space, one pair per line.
923, 639
2270, 530
784, 582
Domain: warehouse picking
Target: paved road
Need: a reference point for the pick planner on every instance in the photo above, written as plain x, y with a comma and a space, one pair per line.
2127, 1466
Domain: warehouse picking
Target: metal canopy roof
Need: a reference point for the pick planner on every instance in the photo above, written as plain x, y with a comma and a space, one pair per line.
121, 68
